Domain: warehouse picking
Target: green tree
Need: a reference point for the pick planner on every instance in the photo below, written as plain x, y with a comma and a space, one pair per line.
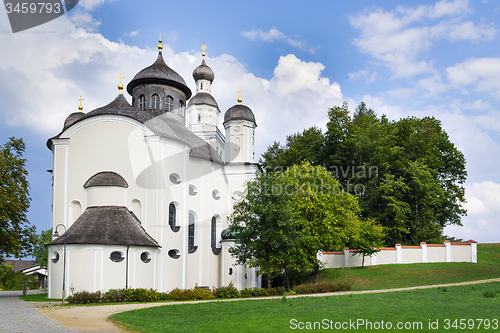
326, 216
40, 252
263, 226
16, 234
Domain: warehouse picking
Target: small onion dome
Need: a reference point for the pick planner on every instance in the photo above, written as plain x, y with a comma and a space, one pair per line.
203, 72
159, 73
239, 112
106, 178
227, 235
202, 98
73, 118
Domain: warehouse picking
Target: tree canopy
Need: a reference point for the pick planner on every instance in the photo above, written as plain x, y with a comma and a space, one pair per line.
40, 252
16, 234
407, 174
286, 218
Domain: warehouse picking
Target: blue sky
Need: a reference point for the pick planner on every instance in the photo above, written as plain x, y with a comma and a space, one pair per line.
292, 59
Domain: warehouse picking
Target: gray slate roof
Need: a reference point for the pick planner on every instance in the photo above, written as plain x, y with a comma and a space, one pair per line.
159, 73
203, 98
107, 225
167, 125
106, 178
239, 112
203, 72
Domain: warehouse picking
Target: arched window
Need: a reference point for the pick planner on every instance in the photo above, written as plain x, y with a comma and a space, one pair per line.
142, 102
201, 85
199, 118
215, 249
191, 234
181, 108
155, 102
172, 217
170, 104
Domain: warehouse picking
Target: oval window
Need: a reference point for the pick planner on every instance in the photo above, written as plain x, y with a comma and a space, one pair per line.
216, 194
145, 257
55, 257
116, 256
174, 254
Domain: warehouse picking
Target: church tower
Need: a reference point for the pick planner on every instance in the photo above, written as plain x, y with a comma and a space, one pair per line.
202, 113
239, 122
158, 89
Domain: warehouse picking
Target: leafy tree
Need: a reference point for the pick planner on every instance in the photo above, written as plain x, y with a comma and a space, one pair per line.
263, 225
16, 234
326, 216
40, 252
407, 174
370, 239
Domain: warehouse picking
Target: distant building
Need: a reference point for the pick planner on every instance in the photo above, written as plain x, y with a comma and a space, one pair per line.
145, 190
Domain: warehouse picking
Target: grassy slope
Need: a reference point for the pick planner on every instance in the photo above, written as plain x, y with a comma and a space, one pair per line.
463, 302
396, 276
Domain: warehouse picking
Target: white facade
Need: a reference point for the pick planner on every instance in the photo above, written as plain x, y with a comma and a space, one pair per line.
173, 179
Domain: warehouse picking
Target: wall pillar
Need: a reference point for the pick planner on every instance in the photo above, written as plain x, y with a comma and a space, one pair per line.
473, 251
373, 259
346, 257
447, 244
399, 254
423, 245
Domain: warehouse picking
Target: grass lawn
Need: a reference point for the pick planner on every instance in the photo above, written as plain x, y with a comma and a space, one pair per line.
38, 298
397, 276
416, 309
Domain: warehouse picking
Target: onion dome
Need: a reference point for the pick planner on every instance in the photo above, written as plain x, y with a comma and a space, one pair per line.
203, 72
203, 98
159, 73
239, 112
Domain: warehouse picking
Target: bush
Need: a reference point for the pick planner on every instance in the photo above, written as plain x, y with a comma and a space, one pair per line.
114, 295
84, 297
190, 294
227, 292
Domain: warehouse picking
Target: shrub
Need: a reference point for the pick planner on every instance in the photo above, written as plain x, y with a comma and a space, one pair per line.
227, 292
84, 297
114, 295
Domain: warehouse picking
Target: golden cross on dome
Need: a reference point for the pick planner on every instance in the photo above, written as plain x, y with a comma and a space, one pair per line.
239, 98
203, 47
81, 106
120, 86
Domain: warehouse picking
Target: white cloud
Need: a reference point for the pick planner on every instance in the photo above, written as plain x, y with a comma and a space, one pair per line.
483, 205
483, 73
399, 38
132, 33
275, 35
91, 4
366, 76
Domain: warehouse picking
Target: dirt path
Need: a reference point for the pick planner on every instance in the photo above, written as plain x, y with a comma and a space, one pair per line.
95, 318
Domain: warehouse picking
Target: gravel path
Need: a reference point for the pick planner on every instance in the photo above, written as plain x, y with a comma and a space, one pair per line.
18, 316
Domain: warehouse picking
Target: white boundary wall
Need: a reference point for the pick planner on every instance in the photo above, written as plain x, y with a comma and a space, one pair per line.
446, 252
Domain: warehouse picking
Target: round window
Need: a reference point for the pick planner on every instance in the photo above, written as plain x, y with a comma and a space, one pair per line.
55, 257
216, 194
116, 256
174, 254
145, 257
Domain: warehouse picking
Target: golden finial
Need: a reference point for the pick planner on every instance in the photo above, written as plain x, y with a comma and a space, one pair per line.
80, 107
239, 98
203, 47
120, 86
160, 47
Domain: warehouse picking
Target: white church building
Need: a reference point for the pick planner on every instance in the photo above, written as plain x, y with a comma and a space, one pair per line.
142, 192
